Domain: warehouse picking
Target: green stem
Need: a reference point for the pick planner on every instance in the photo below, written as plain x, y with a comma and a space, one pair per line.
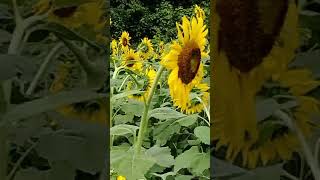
43, 67
144, 119
305, 147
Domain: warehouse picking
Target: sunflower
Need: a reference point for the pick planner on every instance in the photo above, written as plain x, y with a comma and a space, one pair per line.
276, 141
114, 47
150, 73
121, 178
146, 48
199, 12
89, 14
196, 105
92, 111
124, 40
252, 45
131, 60
184, 60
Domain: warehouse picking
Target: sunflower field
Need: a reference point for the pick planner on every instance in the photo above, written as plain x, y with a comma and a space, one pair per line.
160, 104
265, 100
53, 90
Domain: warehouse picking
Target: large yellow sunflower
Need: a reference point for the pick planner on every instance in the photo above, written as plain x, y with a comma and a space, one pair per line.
131, 60
124, 40
275, 140
150, 74
184, 60
146, 48
92, 111
252, 42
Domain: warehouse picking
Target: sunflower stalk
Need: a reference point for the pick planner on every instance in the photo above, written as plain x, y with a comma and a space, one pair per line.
305, 147
21, 26
144, 119
43, 67
94, 72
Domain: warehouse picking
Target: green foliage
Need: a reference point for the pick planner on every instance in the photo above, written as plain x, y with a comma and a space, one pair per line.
153, 19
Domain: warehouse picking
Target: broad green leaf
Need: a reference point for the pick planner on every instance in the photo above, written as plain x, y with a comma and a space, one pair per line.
124, 94
308, 60
30, 174
192, 159
50, 102
265, 108
223, 169
131, 166
5, 36
165, 113
122, 119
82, 150
183, 177
163, 132
61, 170
13, 64
165, 175
123, 129
265, 173
203, 133
188, 120
161, 155
133, 107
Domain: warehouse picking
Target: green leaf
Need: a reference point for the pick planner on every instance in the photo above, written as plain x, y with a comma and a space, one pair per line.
265, 108
203, 133
61, 170
165, 113
122, 119
164, 131
124, 94
188, 120
223, 169
13, 64
308, 60
5, 36
123, 129
194, 160
50, 102
265, 173
161, 155
133, 107
30, 174
131, 166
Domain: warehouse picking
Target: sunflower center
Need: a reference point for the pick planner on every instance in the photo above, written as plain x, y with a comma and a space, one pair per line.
65, 12
124, 42
130, 62
249, 29
188, 62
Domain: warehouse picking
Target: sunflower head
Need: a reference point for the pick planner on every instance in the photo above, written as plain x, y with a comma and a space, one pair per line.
131, 60
150, 75
121, 178
146, 48
184, 61
124, 40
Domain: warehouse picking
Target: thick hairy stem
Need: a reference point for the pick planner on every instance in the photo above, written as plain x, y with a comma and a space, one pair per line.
145, 118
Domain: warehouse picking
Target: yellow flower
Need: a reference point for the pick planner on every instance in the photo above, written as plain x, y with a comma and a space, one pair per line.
91, 111
150, 73
199, 12
184, 60
146, 48
131, 60
124, 40
114, 47
121, 178
242, 63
